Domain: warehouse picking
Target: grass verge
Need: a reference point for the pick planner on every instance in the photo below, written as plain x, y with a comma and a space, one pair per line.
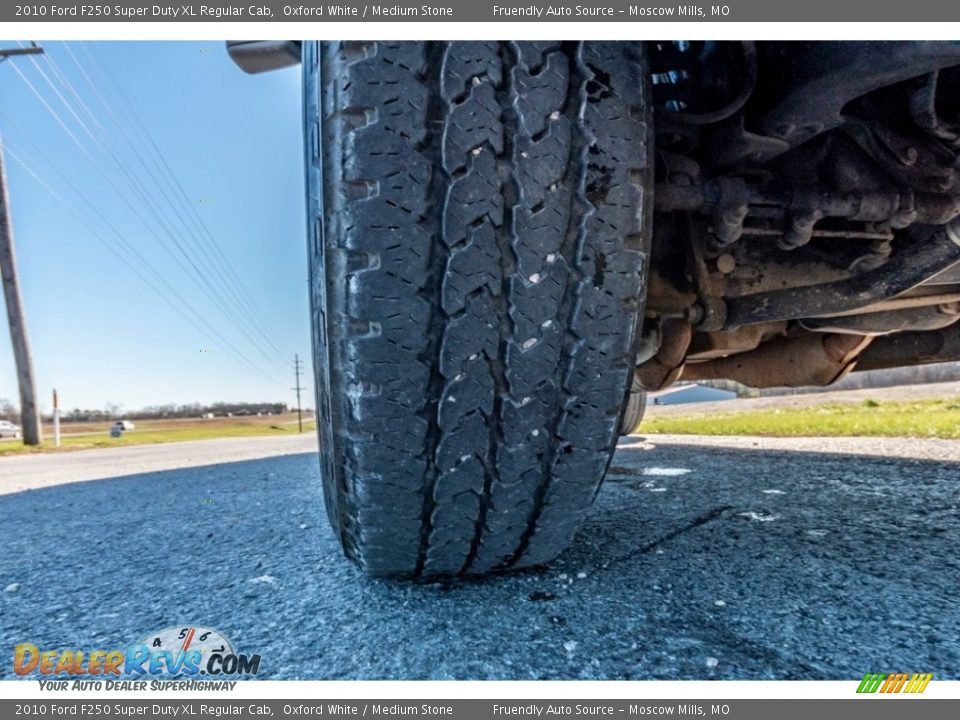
148, 433
920, 419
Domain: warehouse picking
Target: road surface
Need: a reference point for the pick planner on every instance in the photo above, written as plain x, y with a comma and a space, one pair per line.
754, 559
32, 471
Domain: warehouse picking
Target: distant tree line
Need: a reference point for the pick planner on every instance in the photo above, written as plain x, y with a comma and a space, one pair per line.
112, 411
158, 412
9, 411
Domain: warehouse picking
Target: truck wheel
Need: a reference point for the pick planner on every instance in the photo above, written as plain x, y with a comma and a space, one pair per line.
479, 232
633, 412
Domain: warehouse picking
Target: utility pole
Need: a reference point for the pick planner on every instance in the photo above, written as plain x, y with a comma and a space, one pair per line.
56, 418
296, 370
29, 411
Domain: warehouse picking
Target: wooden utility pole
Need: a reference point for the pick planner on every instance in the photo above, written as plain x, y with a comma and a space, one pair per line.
29, 415
296, 370
29, 411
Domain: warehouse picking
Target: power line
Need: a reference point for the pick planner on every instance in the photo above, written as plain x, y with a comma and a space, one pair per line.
167, 296
184, 258
125, 245
216, 260
16, 320
171, 178
206, 285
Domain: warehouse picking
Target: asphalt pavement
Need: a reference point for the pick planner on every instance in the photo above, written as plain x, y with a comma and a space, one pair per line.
702, 559
30, 471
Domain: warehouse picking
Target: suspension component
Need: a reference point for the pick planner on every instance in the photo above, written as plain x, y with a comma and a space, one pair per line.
910, 264
729, 201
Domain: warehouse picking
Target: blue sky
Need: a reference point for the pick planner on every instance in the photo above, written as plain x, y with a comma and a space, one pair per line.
233, 141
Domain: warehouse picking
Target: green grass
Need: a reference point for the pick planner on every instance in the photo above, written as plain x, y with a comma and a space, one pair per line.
149, 435
918, 419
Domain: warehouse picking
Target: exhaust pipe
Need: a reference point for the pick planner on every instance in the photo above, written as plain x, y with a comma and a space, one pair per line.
912, 348
808, 359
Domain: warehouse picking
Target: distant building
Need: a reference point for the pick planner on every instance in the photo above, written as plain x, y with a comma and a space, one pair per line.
692, 393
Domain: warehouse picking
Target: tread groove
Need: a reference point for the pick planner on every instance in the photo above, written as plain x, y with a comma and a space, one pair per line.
439, 184
573, 180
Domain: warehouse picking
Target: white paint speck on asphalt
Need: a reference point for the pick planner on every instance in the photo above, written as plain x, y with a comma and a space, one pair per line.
264, 579
666, 472
759, 516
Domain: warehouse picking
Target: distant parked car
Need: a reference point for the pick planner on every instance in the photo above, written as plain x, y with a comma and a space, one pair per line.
122, 425
8, 429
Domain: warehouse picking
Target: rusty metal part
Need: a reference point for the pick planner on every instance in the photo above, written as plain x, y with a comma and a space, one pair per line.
904, 302
912, 263
756, 231
710, 345
924, 165
710, 312
931, 317
912, 348
664, 368
725, 263
795, 361
731, 209
800, 231
727, 198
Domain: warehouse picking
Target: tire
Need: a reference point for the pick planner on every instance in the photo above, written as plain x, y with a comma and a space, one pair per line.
479, 234
633, 412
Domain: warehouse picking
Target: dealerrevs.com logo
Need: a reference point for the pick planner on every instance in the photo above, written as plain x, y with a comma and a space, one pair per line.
181, 652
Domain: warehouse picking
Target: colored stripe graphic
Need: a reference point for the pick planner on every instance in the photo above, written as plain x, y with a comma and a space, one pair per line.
870, 683
921, 682
894, 683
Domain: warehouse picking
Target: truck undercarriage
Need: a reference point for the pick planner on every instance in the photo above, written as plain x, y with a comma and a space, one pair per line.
805, 195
